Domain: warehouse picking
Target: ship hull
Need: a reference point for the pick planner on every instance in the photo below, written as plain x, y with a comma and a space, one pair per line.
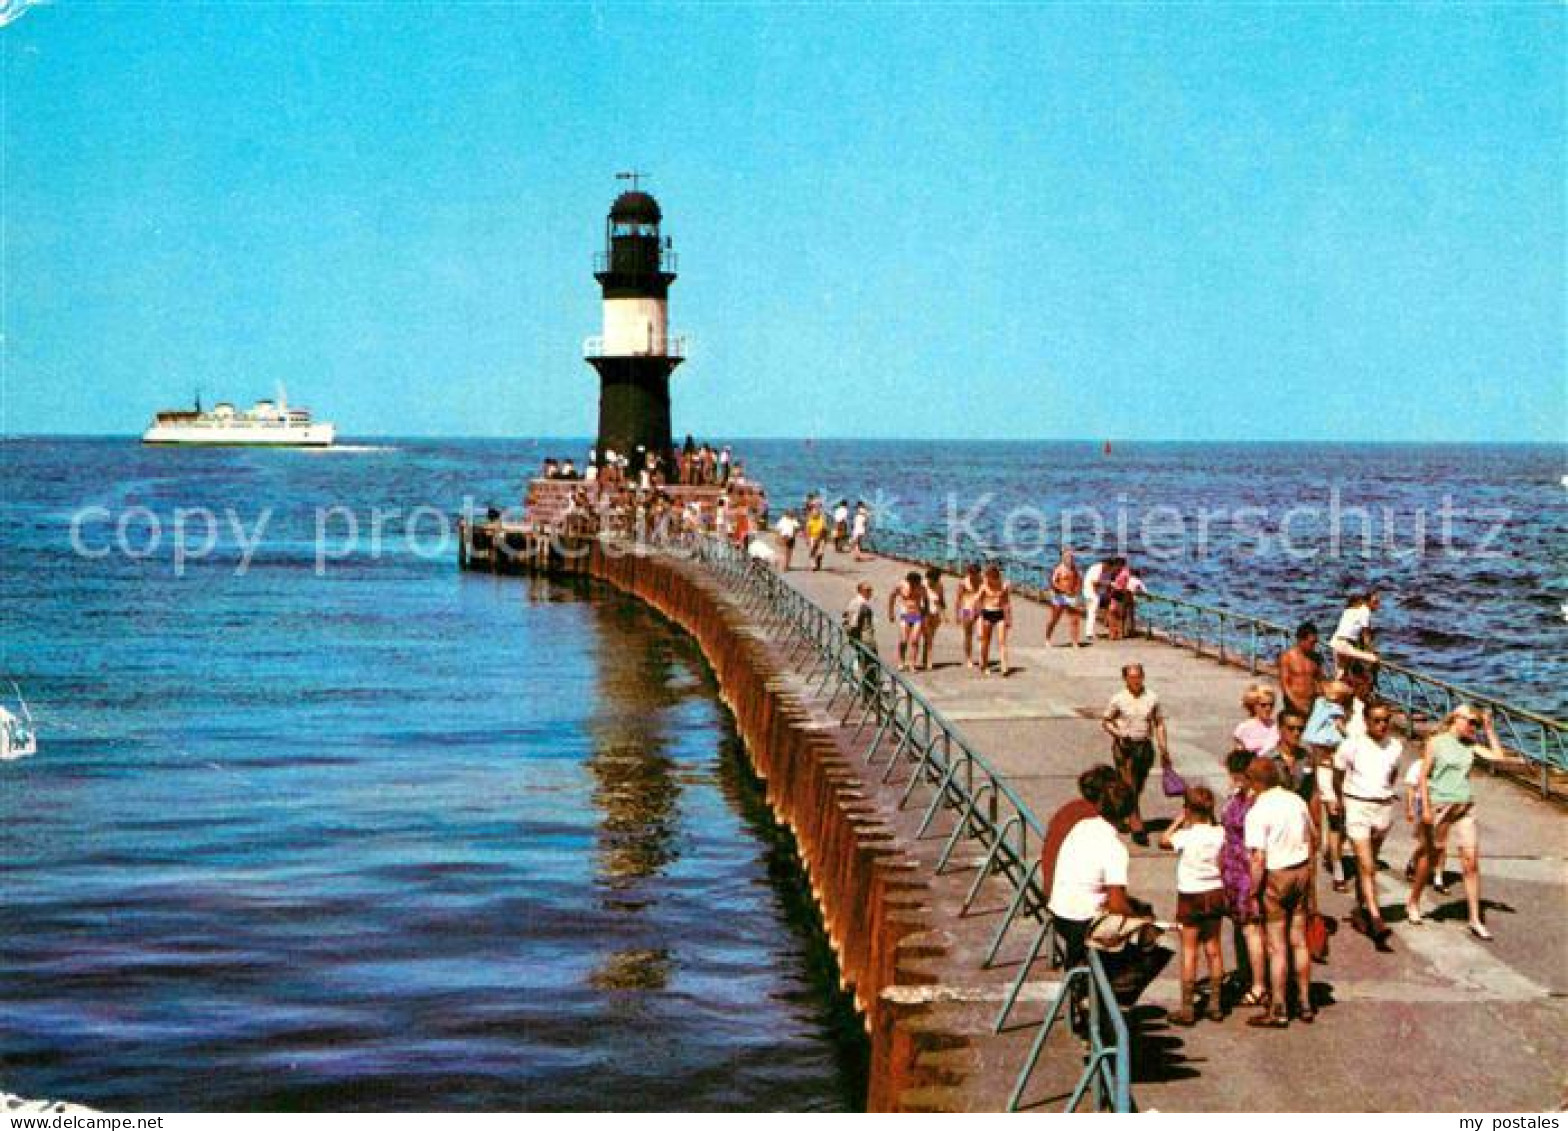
308, 436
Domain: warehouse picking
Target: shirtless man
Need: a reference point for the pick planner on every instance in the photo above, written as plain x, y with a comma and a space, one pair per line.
995, 606
907, 606
1066, 582
1300, 670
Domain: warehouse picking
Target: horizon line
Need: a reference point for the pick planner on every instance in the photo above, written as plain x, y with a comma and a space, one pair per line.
737, 439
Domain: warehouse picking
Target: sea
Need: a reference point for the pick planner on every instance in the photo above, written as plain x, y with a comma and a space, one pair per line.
319, 822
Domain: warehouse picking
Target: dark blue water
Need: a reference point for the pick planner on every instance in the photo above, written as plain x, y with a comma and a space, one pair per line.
388, 837
344, 828
1468, 543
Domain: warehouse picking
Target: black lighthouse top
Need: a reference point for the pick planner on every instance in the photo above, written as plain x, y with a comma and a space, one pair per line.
637, 262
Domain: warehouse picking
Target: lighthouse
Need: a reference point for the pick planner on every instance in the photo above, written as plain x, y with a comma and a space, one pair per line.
635, 355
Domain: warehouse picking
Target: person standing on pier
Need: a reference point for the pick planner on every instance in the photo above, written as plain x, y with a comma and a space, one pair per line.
1093, 578
1366, 770
968, 603
995, 606
1300, 670
787, 530
816, 537
1200, 900
1066, 582
841, 526
1327, 727
906, 605
1258, 733
1279, 835
859, 530
1246, 906
936, 609
1136, 726
860, 624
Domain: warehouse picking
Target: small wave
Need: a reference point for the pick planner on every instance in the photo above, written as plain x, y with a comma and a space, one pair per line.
354, 448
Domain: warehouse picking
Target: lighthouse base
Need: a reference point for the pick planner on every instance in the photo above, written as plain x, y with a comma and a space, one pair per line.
634, 404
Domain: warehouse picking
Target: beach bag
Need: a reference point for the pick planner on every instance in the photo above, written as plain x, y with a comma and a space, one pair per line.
1172, 783
1320, 928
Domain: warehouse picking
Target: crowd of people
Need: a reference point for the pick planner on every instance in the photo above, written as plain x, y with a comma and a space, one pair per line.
1315, 781
690, 465
1303, 781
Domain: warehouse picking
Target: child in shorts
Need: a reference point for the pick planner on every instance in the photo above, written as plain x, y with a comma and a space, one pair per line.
1200, 899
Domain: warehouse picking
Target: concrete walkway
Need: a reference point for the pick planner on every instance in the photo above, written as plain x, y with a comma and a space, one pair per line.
1443, 1023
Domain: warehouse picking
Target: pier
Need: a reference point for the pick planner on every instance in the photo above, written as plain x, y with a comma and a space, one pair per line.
918, 801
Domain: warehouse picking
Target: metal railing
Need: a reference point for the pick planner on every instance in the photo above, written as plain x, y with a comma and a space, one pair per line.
668, 345
1255, 643
1107, 1065
896, 727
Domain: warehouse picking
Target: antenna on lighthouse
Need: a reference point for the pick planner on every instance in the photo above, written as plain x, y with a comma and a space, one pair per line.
633, 176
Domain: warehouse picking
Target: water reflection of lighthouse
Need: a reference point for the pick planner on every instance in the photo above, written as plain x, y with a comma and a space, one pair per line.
636, 789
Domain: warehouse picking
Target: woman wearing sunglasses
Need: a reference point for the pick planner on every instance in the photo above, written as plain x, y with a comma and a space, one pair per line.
1448, 806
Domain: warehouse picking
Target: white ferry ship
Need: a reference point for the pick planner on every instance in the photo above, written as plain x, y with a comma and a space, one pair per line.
267, 423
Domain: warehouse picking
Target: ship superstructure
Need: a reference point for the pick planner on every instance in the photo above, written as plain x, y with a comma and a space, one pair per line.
271, 423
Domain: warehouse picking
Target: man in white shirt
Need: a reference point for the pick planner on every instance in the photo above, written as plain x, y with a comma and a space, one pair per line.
788, 528
1280, 838
1091, 597
1366, 770
841, 526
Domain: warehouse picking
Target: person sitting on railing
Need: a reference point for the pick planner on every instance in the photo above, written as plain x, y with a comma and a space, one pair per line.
1084, 807
1355, 661
1300, 670
1090, 878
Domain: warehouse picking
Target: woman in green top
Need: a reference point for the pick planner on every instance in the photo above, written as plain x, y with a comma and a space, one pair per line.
1448, 807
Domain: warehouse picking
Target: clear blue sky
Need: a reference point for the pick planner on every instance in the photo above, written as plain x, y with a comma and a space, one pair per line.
1139, 221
